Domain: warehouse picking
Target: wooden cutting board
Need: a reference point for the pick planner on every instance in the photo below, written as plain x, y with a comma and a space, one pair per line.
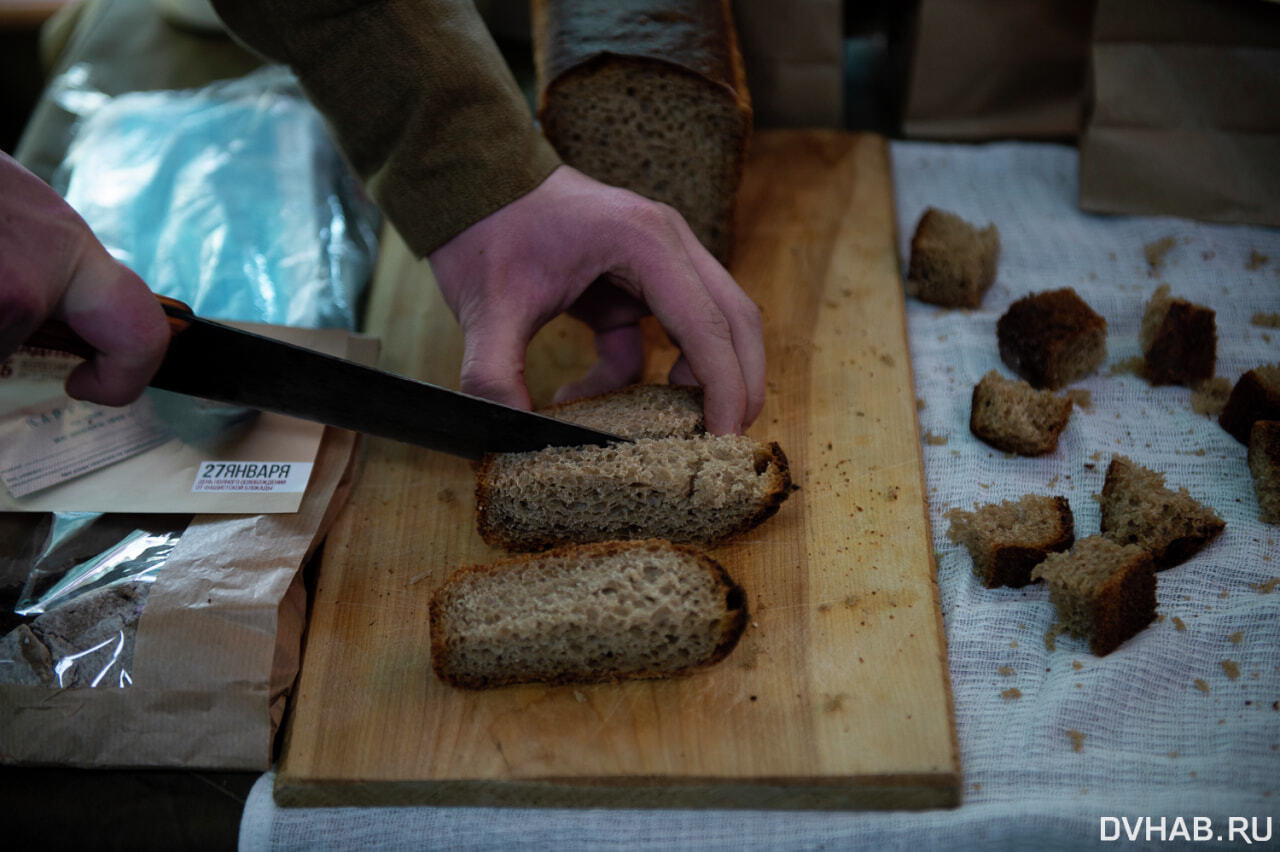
838, 694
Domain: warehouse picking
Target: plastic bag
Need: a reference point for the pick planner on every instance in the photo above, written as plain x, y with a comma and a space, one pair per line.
231, 198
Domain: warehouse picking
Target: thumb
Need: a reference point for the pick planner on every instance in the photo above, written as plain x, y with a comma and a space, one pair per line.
619, 362
493, 359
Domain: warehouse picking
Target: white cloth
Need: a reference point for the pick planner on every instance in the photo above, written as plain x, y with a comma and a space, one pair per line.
1128, 735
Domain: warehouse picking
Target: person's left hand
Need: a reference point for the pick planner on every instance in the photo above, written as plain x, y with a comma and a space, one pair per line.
607, 257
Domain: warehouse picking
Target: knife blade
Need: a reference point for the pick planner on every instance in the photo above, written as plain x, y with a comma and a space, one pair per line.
217, 362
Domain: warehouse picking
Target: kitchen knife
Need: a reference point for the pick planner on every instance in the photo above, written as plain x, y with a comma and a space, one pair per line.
217, 362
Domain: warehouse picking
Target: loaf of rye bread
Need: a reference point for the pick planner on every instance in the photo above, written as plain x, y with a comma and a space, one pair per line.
650, 96
673, 482
585, 613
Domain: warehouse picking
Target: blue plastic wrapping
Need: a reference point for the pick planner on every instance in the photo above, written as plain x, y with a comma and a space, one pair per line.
232, 198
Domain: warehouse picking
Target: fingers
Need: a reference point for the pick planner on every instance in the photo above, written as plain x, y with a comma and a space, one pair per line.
619, 362
495, 343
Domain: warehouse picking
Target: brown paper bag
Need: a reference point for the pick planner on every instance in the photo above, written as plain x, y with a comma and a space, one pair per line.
983, 69
1186, 113
794, 57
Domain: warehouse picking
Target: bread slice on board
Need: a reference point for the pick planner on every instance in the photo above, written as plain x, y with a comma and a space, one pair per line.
677, 483
585, 613
649, 95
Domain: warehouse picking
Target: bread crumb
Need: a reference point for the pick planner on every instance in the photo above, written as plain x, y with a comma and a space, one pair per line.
1013, 644
1131, 366
1007, 671
1178, 624
1156, 250
934, 440
446, 495
1265, 588
419, 578
1236, 637
834, 703
1210, 397
1077, 740
1051, 638
1256, 260
1202, 686
1011, 694
1232, 668
1077, 665
892, 493
1271, 320
1081, 397
579, 696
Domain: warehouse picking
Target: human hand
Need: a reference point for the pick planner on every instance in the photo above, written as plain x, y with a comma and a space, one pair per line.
52, 266
608, 257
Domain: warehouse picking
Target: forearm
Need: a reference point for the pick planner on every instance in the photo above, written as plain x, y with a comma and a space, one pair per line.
419, 98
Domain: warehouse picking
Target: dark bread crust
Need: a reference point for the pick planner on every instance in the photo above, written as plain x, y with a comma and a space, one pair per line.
1184, 348
732, 622
1052, 338
1123, 606
1253, 398
493, 534
1264, 467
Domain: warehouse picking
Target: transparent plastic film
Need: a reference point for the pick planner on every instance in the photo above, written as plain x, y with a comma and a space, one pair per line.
73, 593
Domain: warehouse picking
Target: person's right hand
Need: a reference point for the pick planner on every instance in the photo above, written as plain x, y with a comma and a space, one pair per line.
53, 267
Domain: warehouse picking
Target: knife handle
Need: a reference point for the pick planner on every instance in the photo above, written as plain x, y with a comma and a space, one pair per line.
57, 335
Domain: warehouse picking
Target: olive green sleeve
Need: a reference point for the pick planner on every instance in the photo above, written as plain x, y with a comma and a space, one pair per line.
419, 98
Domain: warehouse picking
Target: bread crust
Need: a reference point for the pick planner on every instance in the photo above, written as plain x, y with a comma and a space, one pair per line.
1252, 399
732, 622
1052, 338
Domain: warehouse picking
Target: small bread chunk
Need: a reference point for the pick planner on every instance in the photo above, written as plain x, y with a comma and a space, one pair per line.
583, 614
1011, 415
1264, 464
1103, 591
1138, 509
1255, 397
1008, 539
1052, 339
638, 411
1179, 341
952, 262
699, 490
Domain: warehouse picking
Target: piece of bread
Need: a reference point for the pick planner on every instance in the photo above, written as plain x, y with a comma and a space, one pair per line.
1008, 539
1103, 591
1137, 508
1011, 415
638, 411
585, 613
1256, 396
649, 96
1264, 465
952, 262
1179, 340
700, 490
1052, 338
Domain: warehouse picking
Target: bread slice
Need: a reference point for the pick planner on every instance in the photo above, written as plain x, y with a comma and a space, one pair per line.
639, 411
952, 262
1264, 465
1008, 539
1052, 339
1256, 396
585, 613
1103, 591
1137, 508
651, 96
696, 490
1179, 340
1011, 415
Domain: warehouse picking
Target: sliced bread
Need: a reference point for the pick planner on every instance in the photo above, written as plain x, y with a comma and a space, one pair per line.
638, 411
1008, 539
1103, 591
585, 613
1137, 508
1011, 415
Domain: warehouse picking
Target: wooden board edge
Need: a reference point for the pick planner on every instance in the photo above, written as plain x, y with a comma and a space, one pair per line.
915, 792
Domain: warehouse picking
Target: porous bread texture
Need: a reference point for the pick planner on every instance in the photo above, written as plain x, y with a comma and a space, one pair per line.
585, 613
1256, 396
1007, 540
1137, 508
1102, 591
657, 129
1179, 340
952, 262
698, 490
1011, 415
1264, 466
1052, 339
638, 411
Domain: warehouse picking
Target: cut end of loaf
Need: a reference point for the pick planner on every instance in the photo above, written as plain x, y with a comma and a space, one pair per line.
584, 614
